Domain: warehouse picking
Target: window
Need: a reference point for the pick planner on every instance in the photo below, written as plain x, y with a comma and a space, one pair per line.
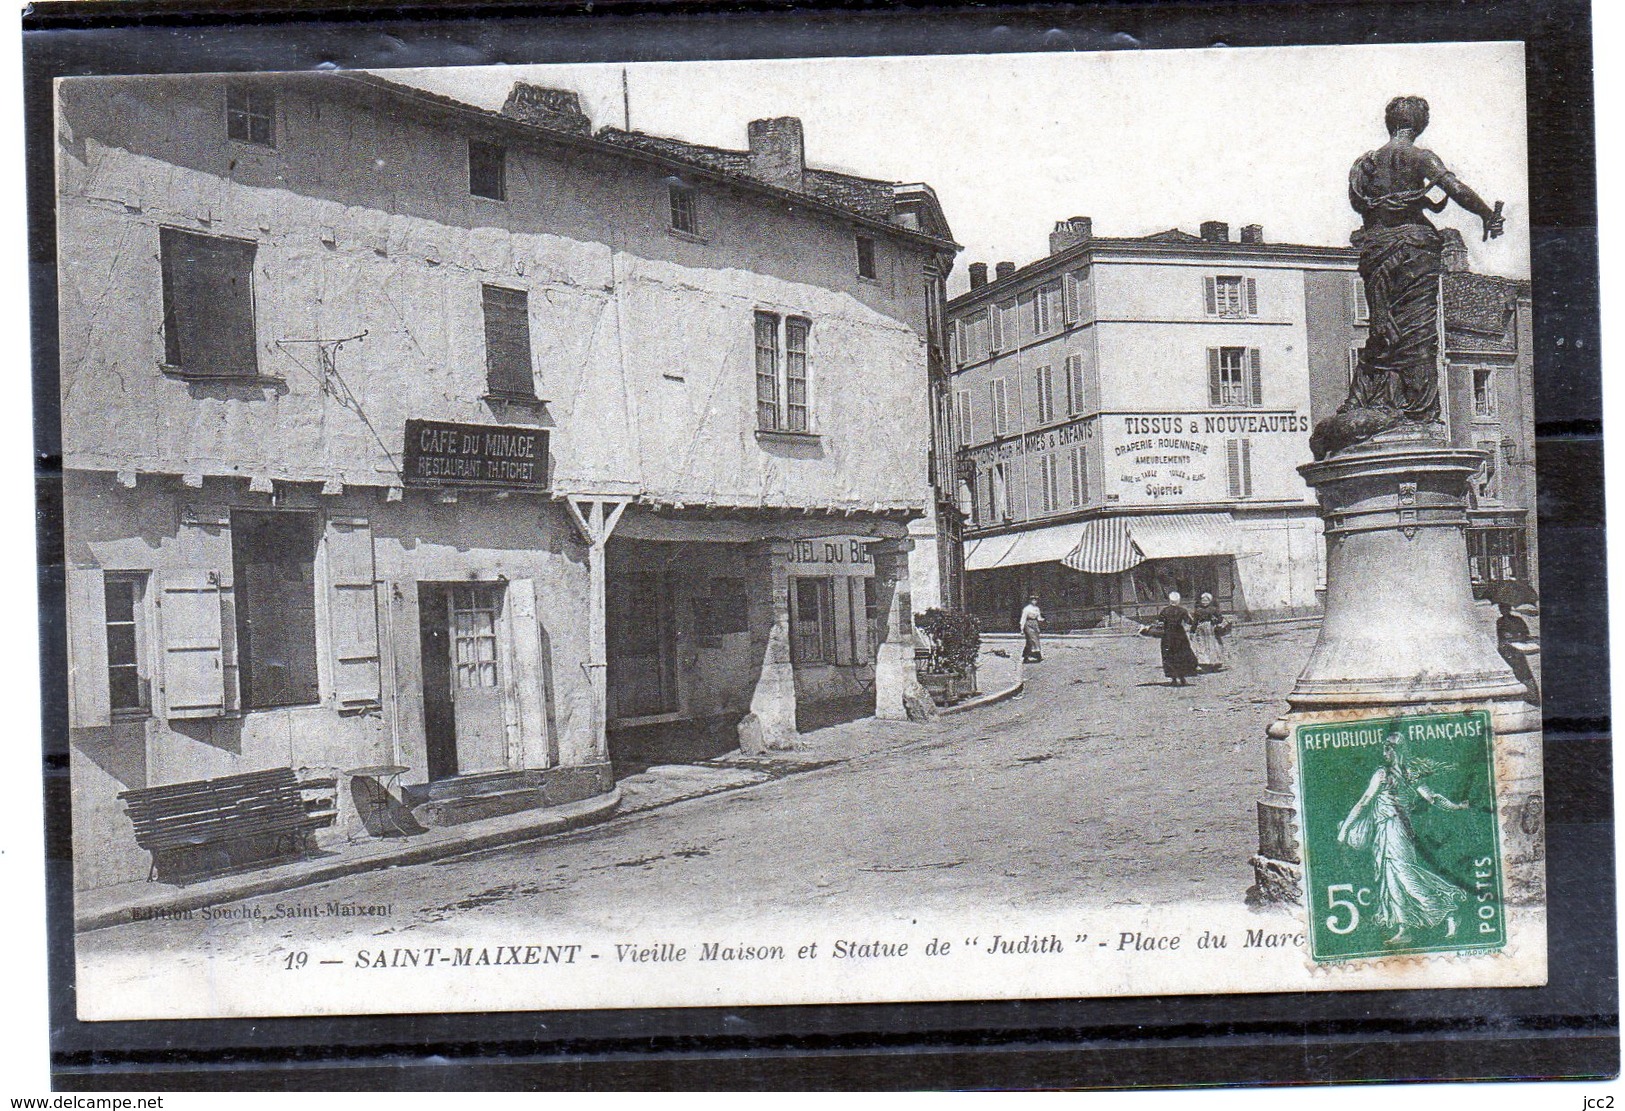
998, 407
251, 115
474, 611
967, 418
1497, 554
1045, 380
1080, 475
1489, 474
1483, 391
974, 337
208, 304
507, 342
812, 621
1235, 376
782, 394
1007, 327
724, 611
129, 689
685, 209
1047, 308
487, 170
273, 557
1230, 295
1360, 308
1074, 291
1354, 365
1239, 457
999, 491
1074, 384
866, 257
1049, 489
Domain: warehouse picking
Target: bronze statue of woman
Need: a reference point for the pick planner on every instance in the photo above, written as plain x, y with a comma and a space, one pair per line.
1400, 262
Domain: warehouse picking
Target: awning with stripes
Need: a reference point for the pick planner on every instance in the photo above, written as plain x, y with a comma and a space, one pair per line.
1042, 545
1109, 545
1103, 548
1176, 535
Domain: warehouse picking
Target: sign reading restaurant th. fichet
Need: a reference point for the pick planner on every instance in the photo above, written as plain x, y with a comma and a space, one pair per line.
440, 453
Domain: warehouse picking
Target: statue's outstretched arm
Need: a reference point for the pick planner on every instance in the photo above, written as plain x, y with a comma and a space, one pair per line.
1462, 193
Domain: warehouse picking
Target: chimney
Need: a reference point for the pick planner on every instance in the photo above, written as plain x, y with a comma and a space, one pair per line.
1215, 231
1455, 252
555, 109
778, 157
1003, 270
1253, 234
1070, 232
978, 275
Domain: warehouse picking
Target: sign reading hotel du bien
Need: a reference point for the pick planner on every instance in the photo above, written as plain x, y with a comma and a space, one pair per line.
440, 453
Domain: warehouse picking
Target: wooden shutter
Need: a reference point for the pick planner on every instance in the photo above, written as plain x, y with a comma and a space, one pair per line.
88, 702
995, 318
1210, 292
194, 682
967, 429
1046, 395
1080, 479
1215, 378
841, 620
1252, 297
352, 612
1069, 294
1246, 468
1354, 365
1358, 305
857, 587
507, 341
208, 304
1232, 455
1255, 377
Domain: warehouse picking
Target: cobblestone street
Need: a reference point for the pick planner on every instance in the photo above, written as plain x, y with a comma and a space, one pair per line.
1099, 786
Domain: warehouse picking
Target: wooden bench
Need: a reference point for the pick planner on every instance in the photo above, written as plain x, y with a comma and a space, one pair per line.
214, 825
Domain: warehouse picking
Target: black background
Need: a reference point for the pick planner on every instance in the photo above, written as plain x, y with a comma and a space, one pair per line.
1566, 1029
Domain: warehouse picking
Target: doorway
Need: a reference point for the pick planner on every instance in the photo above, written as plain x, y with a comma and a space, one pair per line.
463, 715
641, 633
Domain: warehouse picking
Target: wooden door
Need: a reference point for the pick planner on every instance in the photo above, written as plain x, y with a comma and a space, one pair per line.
642, 649
476, 685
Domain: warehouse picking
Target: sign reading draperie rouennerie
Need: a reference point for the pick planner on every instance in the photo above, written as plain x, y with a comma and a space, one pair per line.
440, 453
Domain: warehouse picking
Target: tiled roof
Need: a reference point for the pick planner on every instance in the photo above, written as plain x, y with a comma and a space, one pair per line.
1479, 303
863, 196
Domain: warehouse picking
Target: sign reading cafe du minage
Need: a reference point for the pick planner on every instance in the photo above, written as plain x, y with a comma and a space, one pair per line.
440, 453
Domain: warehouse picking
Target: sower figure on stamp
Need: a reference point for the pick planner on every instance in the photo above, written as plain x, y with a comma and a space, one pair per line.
1410, 895
1400, 262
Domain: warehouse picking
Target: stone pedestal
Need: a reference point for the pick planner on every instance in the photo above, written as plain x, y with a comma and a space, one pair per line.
1401, 635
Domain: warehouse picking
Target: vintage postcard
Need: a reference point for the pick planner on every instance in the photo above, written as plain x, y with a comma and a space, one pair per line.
837, 530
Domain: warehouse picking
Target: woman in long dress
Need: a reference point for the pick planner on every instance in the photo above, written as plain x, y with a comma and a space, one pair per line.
1178, 661
1208, 629
1409, 894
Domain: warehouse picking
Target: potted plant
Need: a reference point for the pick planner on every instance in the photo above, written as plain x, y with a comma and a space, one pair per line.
948, 671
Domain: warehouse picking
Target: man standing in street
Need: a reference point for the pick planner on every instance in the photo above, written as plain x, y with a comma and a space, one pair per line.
1031, 618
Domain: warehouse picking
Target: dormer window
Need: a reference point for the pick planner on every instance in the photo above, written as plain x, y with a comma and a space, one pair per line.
251, 115
685, 209
866, 258
487, 170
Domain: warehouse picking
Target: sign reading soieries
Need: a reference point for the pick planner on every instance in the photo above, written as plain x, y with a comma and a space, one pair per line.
440, 453
1400, 842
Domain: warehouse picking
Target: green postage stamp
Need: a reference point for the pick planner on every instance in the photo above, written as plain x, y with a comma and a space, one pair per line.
1401, 853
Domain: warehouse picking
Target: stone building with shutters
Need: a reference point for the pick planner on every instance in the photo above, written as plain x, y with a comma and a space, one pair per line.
400, 433
1131, 414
